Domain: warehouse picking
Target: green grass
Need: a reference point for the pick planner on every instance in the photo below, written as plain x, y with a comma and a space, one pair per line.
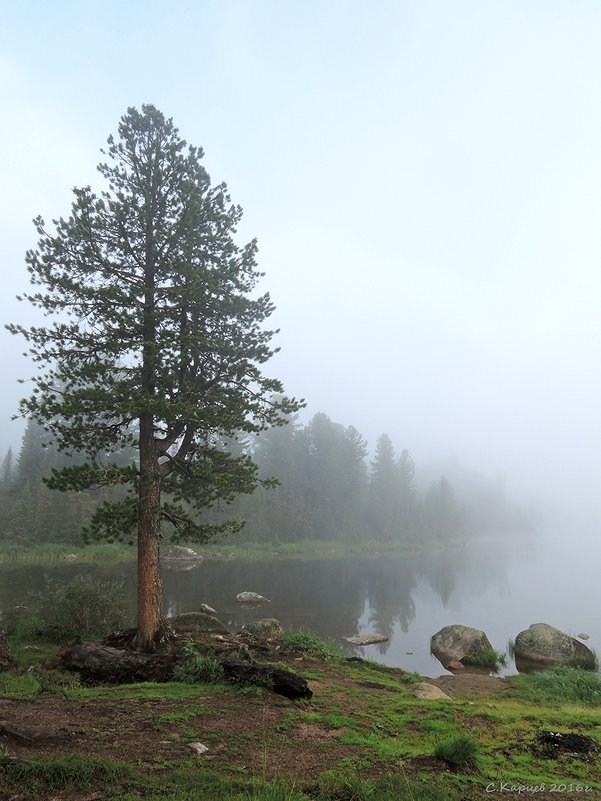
53, 554
305, 643
200, 670
460, 752
561, 685
72, 771
485, 659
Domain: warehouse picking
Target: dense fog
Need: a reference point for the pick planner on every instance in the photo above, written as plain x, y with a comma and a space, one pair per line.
423, 180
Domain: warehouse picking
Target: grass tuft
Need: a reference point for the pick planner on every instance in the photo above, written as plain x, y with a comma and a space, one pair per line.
485, 659
461, 752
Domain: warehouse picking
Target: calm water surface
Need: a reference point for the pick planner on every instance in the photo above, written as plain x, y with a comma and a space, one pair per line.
500, 589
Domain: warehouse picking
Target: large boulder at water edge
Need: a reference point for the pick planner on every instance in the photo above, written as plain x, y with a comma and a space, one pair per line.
268, 628
197, 622
459, 644
547, 645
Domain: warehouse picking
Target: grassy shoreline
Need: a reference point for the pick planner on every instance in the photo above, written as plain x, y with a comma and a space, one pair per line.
362, 737
115, 553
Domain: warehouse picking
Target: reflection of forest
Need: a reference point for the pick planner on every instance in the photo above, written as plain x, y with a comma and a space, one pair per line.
334, 597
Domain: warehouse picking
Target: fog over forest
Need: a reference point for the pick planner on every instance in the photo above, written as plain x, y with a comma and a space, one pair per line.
423, 181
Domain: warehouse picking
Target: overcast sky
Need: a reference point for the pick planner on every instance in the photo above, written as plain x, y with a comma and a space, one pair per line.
423, 177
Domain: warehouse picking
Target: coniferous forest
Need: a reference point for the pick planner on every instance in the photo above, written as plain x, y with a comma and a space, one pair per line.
331, 489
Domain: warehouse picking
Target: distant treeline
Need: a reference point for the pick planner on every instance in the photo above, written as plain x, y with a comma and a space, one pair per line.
329, 490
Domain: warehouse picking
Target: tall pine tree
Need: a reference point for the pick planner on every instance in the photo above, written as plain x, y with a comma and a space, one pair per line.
157, 344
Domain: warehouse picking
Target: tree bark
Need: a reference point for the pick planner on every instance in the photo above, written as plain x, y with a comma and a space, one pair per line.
152, 626
6, 658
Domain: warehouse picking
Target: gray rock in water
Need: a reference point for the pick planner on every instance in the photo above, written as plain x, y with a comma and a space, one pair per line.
459, 644
178, 552
208, 610
197, 622
547, 645
267, 628
367, 639
251, 598
584, 636
429, 692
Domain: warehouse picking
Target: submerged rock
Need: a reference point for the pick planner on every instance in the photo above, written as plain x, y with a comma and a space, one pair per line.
459, 644
251, 598
428, 692
584, 636
197, 622
547, 645
366, 639
268, 628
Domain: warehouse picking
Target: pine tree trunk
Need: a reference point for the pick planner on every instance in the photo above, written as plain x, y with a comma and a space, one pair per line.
151, 621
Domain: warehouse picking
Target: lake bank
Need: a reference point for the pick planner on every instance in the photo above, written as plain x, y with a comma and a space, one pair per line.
407, 597
362, 735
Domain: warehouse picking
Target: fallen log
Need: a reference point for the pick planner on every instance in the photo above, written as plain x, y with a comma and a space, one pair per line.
103, 664
283, 682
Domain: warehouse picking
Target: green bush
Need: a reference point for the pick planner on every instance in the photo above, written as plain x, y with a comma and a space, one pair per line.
83, 608
200, 670
462, 752
304, 642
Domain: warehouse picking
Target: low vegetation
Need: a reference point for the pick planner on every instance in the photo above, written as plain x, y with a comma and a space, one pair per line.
491, 659
82, 608
460, 752
362, 737
562, 685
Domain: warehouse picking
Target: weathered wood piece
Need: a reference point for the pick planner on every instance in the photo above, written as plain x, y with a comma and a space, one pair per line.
291, 685
104, 664
8, 731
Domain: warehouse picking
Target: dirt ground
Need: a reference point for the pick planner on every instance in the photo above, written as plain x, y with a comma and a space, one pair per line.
260, 734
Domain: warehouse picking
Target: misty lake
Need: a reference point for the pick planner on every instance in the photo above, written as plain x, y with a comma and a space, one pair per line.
501, 589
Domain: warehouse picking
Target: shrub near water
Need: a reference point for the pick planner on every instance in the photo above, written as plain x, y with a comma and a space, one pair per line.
82, 608
304, 642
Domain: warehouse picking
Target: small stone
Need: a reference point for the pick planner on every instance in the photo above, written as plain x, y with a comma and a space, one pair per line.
208, 610
70, 556
198, 748
428, 692
366, 639
584, 636
455, 664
